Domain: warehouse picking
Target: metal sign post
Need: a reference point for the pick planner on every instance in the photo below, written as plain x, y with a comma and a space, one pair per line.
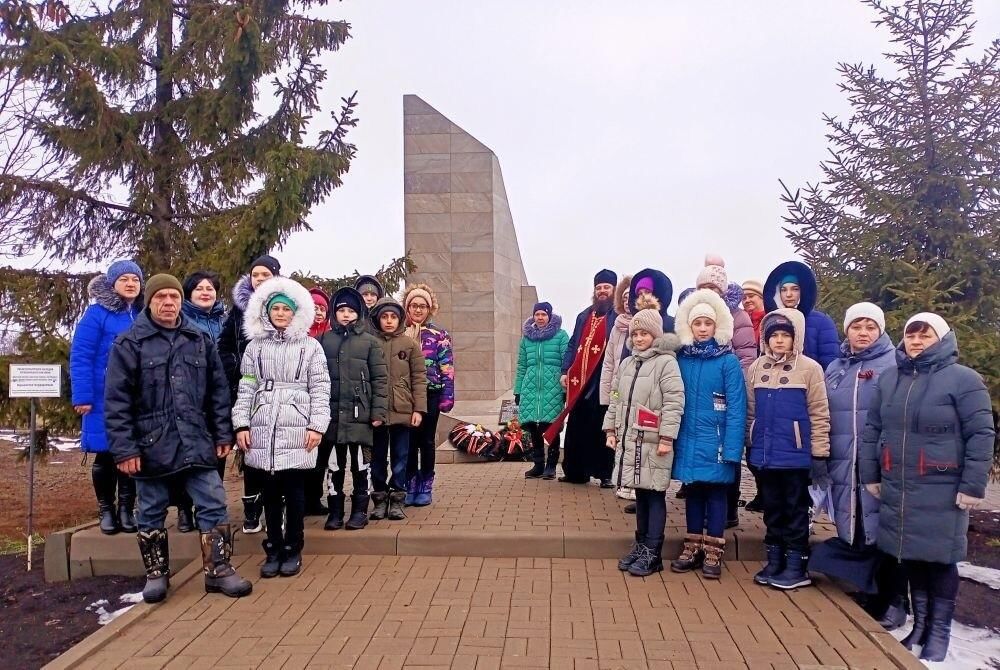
34, 381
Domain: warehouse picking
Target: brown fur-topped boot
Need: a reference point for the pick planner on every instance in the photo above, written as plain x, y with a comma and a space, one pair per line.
715, 549
691, 556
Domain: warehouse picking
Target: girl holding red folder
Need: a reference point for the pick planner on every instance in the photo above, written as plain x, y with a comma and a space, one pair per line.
647, 401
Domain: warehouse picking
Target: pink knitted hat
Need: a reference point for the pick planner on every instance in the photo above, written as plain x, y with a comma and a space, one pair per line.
713, 274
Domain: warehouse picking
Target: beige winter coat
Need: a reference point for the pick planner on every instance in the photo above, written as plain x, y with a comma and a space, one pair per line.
652, 379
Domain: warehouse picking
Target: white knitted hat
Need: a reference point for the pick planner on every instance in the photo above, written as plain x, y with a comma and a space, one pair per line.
865, 310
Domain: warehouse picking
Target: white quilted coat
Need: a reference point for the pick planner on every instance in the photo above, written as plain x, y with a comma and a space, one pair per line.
284, 387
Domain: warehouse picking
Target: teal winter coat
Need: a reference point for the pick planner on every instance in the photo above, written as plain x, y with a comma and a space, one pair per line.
539, 367
709, 447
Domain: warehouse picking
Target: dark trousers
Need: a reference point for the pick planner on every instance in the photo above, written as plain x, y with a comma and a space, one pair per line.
940, 580
203, 485
423, 440
284, 497
360, 458
785, 497
705, 508
586, 453
253, 481
733, 497
316, 476
179, 497
650, 515
110, 482
536, 432
392, 445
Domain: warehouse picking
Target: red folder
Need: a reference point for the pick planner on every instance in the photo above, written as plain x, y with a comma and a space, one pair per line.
647, 418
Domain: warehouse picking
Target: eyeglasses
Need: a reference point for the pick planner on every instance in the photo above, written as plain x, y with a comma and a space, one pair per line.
418, 306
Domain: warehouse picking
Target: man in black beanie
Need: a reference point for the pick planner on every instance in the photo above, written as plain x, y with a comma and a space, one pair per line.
585, 454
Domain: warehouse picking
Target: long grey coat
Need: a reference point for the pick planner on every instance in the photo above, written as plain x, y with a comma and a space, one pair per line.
284, 388
929, 437
650, 378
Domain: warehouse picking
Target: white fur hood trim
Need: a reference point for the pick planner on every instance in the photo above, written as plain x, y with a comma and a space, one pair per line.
723, 317
257, 325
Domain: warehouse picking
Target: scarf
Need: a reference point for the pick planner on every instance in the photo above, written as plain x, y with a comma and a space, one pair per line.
707, 349
589, 358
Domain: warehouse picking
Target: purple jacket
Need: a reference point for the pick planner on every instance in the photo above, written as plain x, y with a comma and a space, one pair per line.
439, 358
744, 342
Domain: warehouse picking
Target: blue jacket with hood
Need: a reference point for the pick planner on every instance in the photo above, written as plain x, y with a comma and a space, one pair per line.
822, 341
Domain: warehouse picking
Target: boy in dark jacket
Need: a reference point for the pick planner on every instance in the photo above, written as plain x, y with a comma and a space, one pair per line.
788, 422
358, 402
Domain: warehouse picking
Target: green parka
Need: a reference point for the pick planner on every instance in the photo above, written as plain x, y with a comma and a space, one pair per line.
359, 383
539, 366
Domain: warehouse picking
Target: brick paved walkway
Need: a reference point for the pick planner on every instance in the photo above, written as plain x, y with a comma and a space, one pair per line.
392, 612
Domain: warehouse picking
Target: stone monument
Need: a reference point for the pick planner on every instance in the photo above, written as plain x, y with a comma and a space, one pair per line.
460, 234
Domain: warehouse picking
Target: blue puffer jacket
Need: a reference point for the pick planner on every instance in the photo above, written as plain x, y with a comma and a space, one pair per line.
851, 383
210, 322
539, 366
108, 316
822, 341
709, 446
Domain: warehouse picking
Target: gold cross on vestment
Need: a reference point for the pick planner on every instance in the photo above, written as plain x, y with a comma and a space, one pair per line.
575, 381
595, 350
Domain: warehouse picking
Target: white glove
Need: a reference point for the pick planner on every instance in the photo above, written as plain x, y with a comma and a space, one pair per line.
967, 502
875, 490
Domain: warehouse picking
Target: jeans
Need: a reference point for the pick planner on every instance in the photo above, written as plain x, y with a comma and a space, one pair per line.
392, 445
290, 485
705, 508
650, 515
785, 497
203, 485
360, 457
179, 497
424, 442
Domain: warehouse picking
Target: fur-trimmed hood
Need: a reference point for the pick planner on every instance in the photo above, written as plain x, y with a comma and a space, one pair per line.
623, 284
807, 285
798, 323
102, 292
434, 300
663, 289
535, 334
242, 290
668, 343
257, 325
723, 317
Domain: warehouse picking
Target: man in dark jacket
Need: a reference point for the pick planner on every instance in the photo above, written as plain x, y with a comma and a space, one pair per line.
358, 403
585, 454
168, 422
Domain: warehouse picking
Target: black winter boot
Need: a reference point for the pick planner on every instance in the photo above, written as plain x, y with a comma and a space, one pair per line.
894, 615
538, 469
634, 553
272, 560
126, 503
380, 505
105, 483
551, 462
335, 521
795, 574
396, 512
359, 512
692, 554
253, 509
185, 519
649, 560
921, 618
775, 564
938, 630
291, 563
155, 554
220, 576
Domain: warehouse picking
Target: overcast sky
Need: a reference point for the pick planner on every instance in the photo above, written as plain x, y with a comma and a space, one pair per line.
631, 135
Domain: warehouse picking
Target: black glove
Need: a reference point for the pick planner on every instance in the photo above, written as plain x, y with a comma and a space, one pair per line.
820, 474
517, 398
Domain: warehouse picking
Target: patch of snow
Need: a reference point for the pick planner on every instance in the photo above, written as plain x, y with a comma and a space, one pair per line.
104, 617
977, 573
970, 648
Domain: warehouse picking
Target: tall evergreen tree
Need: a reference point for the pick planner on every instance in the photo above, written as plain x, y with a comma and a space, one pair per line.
908, 212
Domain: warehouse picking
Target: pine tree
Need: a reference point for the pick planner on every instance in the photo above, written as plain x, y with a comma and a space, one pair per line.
908, 212
175, 132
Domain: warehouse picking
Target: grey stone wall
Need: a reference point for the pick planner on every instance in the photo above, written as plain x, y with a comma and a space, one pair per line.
460, 233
